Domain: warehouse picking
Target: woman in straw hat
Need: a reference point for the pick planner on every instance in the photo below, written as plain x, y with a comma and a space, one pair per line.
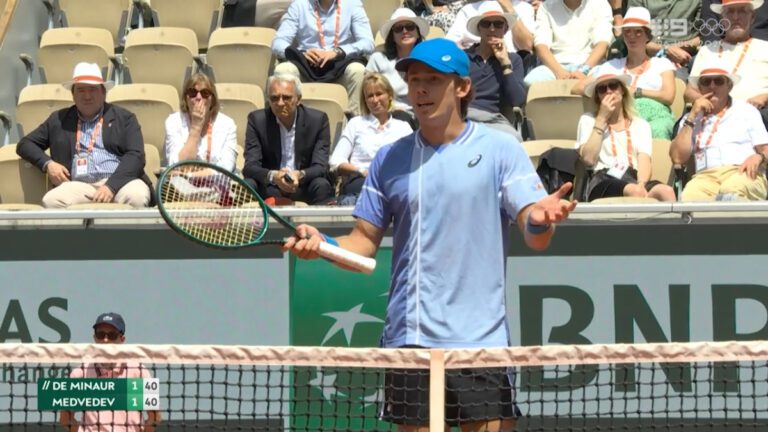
652, 80
401, 33
616, 143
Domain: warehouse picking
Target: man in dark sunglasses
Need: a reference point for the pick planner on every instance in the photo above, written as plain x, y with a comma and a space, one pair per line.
727, 139
109, 328
496, 72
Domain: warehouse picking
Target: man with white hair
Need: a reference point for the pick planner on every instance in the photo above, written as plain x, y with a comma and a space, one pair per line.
739, 53
96, 148
727, 139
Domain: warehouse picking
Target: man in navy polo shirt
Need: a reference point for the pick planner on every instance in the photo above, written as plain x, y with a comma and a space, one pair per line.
451, 190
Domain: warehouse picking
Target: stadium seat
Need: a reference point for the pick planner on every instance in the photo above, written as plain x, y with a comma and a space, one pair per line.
678, 105
331, 99
241, 55
535, 148
379, 11
237, 101
435, 32
153, 161
110, 15
37, 102
20, 183
551, 112
200, 16
152, 104
62, 48
160, 55
8, 152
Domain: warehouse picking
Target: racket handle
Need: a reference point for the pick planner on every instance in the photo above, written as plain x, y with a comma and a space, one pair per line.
349, 259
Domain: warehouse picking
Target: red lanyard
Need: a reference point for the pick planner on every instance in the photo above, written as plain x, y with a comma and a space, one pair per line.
320, 33
711, 133
94, 135
629, 142
741, 57
208, 136
644, 67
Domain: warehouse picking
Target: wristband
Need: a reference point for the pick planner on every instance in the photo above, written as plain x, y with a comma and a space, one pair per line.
536, 229
616, 11
687, 122
330, 240
506, 67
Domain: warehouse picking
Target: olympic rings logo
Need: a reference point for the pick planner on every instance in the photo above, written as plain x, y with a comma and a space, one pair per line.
711, 26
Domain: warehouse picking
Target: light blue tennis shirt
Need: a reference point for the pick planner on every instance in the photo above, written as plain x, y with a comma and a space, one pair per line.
451, 206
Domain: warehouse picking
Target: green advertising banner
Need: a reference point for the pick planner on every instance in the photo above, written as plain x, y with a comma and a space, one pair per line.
333, 307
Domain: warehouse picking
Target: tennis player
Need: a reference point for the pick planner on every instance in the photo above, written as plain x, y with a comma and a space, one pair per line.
451, 189
110, 329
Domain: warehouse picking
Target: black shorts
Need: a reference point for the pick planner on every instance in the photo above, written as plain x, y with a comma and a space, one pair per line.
604, 186
471, 395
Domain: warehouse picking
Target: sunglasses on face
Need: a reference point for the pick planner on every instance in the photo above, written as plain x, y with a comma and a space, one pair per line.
613, 86
495, 24
100, 335
411, 27
717, 81
277, 98
205, 93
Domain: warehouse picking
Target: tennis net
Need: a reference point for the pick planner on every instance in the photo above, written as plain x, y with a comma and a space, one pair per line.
639, 387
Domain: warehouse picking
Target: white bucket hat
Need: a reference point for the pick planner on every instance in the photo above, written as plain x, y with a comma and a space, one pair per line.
403, 15
718, 8
87, 73
713, 68
636, 16
602, 75
489, 9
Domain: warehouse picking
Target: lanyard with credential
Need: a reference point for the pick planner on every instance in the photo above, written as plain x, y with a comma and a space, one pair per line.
320, 33
643, 68
744, 50
630, 151
94, 136
711, 133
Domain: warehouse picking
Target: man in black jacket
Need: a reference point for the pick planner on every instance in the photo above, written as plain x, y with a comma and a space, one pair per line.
287, 146
96, 149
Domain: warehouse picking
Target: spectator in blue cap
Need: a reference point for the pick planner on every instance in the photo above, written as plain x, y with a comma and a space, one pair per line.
442, 187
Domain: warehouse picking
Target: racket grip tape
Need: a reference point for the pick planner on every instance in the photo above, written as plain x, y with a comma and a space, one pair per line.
333, 252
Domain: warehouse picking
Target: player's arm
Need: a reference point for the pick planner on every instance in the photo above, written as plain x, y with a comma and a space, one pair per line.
68, 420
536, 221
364, 240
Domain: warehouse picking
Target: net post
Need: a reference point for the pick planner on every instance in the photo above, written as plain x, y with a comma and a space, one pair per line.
436, 390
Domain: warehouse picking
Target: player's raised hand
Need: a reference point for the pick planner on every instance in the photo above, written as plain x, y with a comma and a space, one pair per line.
305, 243
553, 208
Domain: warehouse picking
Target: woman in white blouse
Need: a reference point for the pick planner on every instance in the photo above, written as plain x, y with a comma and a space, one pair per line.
652, 78
199, 131
365, 134
616, 143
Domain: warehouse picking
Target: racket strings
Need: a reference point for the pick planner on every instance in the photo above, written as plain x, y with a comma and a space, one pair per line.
211, 207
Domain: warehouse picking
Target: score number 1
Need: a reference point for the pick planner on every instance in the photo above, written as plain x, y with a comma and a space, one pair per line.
143, 394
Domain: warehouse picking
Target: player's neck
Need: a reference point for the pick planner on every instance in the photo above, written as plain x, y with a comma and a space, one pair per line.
572, 4
617, 118
485, 51
636, 58
444, 134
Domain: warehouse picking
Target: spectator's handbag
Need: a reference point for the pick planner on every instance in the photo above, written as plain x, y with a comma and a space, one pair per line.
331, 72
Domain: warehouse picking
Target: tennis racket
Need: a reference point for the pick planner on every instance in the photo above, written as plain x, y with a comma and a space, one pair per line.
212, 206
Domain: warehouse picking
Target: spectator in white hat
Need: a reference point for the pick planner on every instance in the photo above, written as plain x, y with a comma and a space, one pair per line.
616, 143
653, 78
401, 33
96, 148
739, 53
727, 139
519, 36
496, 72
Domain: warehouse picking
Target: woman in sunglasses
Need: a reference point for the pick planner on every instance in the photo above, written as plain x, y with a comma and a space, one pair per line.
199, 131
652, 79
616, 143
401, 33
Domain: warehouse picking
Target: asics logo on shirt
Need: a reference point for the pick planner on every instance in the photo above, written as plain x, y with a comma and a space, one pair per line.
474, 161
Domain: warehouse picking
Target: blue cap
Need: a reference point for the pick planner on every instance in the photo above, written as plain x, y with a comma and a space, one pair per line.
113, 319
440, 54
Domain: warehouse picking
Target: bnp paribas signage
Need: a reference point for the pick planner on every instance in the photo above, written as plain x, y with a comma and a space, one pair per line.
332, 307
